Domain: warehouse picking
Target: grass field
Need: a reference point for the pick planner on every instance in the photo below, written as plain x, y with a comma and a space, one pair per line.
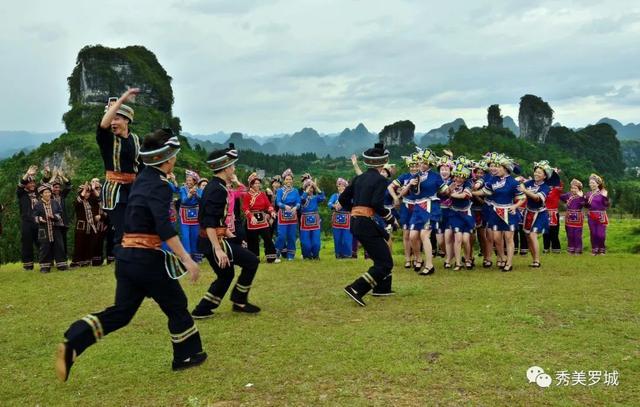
456, 338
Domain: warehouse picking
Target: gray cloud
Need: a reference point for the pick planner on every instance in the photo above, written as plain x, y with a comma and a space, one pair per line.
232, 7
276, 66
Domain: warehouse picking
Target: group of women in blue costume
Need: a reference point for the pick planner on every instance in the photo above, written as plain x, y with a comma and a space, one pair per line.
189, 205
404, 204
423, 190
298, 210
455, 199
504, 195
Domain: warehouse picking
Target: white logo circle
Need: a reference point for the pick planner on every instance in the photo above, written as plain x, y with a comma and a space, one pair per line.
533, 372
543, 380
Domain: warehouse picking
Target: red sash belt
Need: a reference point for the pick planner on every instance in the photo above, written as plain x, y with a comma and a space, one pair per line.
599, 216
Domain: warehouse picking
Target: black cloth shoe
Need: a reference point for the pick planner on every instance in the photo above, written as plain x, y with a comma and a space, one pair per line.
64, 361
427, 272
202, 313
353, 294
248, 308
192, 361
385, 294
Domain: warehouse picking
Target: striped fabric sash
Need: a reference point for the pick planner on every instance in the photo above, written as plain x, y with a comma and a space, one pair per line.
172, 264
110, 195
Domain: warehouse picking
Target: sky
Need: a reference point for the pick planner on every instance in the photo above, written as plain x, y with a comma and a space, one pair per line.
267, 67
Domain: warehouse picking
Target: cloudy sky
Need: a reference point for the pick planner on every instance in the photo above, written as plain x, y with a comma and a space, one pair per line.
265, 67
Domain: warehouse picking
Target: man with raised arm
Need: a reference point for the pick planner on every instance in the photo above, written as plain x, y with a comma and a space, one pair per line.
120, 149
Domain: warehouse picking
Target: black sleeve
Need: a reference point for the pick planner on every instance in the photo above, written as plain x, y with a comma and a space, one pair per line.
346, 197
56, 208
378, 200
212, 207
38, 211
103, 136
159, 204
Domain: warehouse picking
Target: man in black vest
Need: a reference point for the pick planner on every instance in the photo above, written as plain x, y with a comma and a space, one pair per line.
219, 245
364, 197
143, 269
27, 199
120, 149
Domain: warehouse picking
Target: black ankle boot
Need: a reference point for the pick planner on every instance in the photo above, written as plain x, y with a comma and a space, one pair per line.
192, 361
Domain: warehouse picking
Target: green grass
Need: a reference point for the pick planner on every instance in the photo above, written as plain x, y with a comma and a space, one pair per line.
457, 338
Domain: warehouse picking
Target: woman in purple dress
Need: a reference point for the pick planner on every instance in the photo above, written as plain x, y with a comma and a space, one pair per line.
597, 203
574, 218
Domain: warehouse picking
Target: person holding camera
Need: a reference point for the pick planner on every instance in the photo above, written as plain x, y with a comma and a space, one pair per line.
120, 149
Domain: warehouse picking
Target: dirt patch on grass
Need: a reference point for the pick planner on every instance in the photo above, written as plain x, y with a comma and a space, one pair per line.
432, 357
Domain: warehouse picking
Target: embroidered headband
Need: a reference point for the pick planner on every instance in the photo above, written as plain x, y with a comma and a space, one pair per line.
160, 155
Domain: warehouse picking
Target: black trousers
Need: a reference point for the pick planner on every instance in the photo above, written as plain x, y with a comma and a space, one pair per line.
551, 239
82, 248
136, 280
64, 231
28, 238
253, 243
374, 240
116, 217
238, 256
97, 248
109, 243
50, 251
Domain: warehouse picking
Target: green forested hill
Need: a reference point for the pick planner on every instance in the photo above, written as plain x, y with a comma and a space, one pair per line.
79, 156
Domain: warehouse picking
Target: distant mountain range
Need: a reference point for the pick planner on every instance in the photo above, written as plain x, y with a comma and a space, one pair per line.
628, 131
345, 143
12, 142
